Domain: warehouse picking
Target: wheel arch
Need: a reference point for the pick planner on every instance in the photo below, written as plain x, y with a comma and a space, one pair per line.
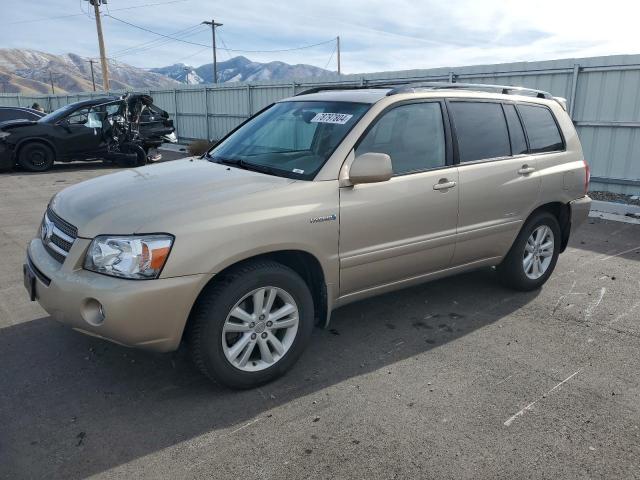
302, 262
25, 141
562, 212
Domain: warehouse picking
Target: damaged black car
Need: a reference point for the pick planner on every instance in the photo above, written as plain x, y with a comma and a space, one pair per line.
117, 129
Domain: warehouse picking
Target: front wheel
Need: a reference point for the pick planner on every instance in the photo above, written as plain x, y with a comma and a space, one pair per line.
36, 157
250, 326
534, 254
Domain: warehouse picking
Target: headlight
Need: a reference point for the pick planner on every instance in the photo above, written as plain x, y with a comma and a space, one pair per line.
135, 257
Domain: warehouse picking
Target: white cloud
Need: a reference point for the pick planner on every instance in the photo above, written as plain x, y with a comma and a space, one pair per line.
376, 35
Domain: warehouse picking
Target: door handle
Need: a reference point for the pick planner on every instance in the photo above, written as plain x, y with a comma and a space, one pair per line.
526, 170
444, 184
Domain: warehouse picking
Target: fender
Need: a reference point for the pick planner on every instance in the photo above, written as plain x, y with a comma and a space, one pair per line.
46, 141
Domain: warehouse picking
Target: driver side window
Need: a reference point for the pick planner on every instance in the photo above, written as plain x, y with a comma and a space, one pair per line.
79, 117
412, 135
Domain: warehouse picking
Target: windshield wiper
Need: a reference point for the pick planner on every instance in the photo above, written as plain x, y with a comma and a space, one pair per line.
236, 162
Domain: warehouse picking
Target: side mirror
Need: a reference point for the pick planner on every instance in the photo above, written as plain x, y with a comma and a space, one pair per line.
370, 168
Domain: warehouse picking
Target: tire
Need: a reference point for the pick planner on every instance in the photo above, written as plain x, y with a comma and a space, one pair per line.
518, 275
36, 157
213, 332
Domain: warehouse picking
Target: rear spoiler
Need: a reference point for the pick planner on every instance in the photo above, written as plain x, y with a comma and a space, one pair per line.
562, 101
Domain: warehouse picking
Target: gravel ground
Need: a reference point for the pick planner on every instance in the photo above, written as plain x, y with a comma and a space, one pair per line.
458, 378
614, 197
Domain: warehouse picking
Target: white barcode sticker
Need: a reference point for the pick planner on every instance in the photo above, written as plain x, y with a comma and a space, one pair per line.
339, 118
297, 170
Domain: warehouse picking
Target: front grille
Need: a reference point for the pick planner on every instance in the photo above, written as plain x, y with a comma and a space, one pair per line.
57, 235
61, 224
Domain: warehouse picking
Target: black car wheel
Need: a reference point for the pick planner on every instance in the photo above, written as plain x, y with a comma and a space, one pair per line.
36, 157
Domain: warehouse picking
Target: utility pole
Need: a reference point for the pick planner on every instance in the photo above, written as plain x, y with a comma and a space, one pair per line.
93, 78
103, 56
338, 51
213, 34
53, 90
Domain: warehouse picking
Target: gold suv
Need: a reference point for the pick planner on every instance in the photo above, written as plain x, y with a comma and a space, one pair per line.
319, 200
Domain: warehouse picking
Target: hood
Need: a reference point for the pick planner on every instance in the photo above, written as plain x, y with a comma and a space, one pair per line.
156, 196
11, 124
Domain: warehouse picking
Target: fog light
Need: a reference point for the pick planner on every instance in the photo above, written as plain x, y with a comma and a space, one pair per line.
93, 312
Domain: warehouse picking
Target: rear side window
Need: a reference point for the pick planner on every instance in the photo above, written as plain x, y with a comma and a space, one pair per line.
481, 130
412, 135
541, 129
518, 142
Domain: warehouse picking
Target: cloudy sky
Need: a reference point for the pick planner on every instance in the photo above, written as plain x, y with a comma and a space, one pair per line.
375, 35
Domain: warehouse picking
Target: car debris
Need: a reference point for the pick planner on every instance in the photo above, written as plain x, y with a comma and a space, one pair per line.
118, 129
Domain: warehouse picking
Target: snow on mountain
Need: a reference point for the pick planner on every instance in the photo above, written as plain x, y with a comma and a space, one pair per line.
241, 69
31, 71
180, 72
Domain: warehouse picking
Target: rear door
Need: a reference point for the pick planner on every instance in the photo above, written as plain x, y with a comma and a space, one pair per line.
405, 227
499, 184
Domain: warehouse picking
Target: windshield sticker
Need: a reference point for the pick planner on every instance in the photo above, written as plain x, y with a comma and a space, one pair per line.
337, 118
297, 170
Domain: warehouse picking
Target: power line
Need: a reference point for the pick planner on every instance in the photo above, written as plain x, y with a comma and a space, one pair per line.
331, 57
282, 49
85, 13
138, 48
228, 49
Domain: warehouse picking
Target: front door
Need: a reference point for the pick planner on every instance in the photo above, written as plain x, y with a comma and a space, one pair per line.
405, 227
80, 133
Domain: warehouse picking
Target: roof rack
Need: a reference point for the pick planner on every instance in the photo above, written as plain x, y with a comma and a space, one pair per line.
400, 86
365, 86
504, 89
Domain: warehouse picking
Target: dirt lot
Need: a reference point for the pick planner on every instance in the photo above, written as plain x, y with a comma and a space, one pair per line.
458, 378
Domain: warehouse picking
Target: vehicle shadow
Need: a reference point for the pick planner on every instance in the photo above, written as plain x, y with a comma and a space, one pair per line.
73, 406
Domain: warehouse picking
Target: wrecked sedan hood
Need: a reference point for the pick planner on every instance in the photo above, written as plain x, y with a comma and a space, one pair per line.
158, 198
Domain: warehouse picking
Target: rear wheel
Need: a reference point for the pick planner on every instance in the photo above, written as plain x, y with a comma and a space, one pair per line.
534, 254
251, 326
36, 157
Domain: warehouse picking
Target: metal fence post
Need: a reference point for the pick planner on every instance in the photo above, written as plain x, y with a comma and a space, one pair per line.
175, 112
574, 89
249, 105
18, 99
206, 112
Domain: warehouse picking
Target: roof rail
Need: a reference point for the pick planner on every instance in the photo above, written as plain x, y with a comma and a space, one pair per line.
400, 86
504, 89
364, 86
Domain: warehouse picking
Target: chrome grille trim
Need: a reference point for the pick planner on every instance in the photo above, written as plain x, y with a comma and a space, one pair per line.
60, 236
61, 224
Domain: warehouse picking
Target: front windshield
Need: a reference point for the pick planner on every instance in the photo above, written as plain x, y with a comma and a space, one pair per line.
292, 139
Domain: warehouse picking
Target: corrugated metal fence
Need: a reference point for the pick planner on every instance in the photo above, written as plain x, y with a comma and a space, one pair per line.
603, 94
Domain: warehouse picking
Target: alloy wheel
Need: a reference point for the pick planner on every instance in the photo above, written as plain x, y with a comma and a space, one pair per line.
538, 252
260, 329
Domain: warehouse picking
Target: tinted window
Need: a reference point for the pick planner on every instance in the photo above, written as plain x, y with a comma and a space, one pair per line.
9, 114
541, 128
481, 130
412, 135
518, 142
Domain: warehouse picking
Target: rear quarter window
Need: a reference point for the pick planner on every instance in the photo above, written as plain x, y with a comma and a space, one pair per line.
481, 130
542, 130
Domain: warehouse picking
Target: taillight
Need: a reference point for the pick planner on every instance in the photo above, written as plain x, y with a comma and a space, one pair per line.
587, 176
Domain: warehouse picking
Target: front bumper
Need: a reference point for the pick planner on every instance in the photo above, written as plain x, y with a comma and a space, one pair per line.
579, 211
7, 160
148, 314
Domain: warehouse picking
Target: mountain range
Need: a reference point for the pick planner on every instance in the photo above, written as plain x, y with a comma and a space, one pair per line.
241, 69
32, 72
